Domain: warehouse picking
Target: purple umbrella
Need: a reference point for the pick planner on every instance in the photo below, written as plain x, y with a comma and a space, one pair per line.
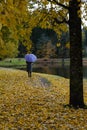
30, 57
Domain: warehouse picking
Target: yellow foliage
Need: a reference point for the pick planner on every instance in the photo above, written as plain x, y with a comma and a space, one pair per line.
68, 45
14, 15
9, 49
58, 44
37, 102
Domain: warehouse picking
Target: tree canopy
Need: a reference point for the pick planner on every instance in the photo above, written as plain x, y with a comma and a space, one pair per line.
18, 18
14, 25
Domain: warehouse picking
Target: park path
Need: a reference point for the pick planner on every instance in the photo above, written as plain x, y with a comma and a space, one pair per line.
34, 80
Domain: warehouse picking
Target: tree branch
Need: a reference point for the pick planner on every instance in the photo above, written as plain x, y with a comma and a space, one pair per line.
60, 22
61, 19
62, 5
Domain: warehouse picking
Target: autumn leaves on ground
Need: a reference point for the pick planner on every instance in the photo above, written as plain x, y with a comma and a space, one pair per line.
37, 103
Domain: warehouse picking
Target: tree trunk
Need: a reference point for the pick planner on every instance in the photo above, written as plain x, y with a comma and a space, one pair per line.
76, 67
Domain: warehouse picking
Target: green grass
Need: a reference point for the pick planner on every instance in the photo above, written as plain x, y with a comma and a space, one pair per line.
13, 62
21, 61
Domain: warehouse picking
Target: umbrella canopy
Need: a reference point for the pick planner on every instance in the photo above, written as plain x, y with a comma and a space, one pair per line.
30, 57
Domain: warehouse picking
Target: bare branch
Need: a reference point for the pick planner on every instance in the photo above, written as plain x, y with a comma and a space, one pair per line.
62, 5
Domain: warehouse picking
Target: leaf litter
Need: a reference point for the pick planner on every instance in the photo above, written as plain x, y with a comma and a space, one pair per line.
37, 103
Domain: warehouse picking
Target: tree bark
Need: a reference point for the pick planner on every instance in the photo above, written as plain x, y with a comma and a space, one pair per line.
76, 66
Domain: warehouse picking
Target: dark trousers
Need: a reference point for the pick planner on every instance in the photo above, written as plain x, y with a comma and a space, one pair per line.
29, 73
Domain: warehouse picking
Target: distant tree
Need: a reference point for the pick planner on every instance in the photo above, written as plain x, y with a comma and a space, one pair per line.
45, 47
40, 38
49, 50
64, 39
21, 50
35, 35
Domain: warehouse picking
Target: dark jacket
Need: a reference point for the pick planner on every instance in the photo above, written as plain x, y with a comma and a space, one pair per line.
29, 66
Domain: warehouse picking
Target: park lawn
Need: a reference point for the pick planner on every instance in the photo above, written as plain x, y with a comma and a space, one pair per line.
37, 103
12, 62
21, 61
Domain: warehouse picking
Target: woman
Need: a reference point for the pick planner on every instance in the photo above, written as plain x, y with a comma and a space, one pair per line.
29, 68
